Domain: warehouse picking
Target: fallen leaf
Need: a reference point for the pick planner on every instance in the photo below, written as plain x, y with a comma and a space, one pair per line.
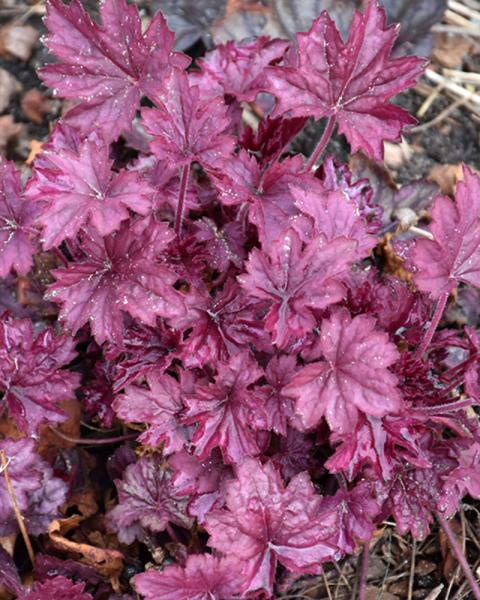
18, 41
35, 148
397, 155
446, 177
374, 593
450, 50
9, 86
108, 563
9, 131
35, 106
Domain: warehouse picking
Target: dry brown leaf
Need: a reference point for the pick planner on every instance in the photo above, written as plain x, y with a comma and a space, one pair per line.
446, 176
49, 441
35, 106
18, 41
9, 86
450, 50
374, 593
108, 563
35, 148
397, 155
9, 130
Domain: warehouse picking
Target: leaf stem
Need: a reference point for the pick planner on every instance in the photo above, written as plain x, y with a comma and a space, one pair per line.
16, 508
427, 338
181, 198
93, 441
363, 573
322, 144
457, 550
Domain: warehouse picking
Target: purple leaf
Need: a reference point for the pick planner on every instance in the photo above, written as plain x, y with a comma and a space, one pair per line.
17, 223
32, 379
59, 588
9, 577
353, 377
146, 500
204, 577
297, 279
265, 522
351, 82
235, 69
222, 411
453, 256
120, 273
159, 406
185, 126
78, 187
106, 67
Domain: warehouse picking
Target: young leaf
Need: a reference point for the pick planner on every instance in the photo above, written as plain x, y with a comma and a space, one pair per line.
453, 256
352, 378
351, 82
235, 69
297, 280
58, 587
223, 410
186, 126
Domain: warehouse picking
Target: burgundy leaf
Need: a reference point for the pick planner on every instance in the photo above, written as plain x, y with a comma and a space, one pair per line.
32, 379
78, 187
146, 500
17, 223
351, 82
453, 256
276, 409
185, 126
235, 69
106, 67
37, 492
265, 522
121, 272
297, 280
334, 215
222, 325
204, 577
352, 378
223, 410
159, 406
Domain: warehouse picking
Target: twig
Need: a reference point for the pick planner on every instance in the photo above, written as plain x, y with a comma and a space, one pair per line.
435, 593
93, 441
462, 76
464, 10
458, 90
455, 29
411, 577
327, 586
457, 550
16, 509
440, 117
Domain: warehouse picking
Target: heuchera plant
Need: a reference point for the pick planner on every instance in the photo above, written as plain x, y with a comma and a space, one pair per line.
221, 297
